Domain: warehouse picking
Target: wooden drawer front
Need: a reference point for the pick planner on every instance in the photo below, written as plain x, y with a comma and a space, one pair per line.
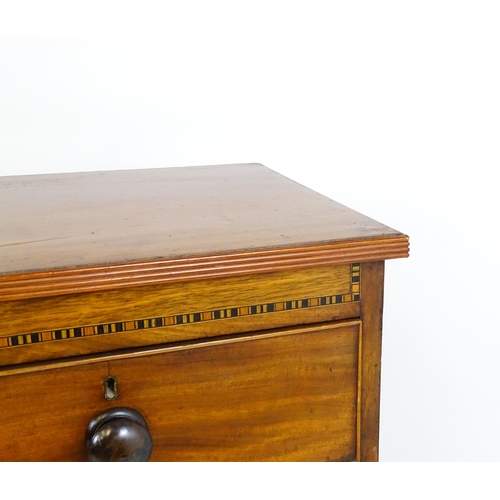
39, 329
283, 395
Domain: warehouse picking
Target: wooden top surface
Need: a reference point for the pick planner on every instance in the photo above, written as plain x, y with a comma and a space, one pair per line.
113, 225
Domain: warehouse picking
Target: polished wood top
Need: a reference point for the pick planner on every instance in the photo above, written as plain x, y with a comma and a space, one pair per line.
145, 226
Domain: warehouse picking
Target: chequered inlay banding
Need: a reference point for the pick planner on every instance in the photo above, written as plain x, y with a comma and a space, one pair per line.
184, 319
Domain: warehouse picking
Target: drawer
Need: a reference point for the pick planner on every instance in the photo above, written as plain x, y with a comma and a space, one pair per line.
42, 328
288, 394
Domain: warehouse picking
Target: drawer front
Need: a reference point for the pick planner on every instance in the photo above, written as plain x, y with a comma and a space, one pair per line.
278, 395
39, 329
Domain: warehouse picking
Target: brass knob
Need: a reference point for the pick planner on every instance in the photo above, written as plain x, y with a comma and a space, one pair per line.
119, 434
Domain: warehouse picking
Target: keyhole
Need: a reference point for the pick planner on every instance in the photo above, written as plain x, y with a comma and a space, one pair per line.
110, 388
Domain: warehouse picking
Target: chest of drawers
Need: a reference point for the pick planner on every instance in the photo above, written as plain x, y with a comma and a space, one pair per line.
218, 313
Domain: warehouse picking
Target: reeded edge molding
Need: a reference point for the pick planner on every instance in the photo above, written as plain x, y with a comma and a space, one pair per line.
113, 276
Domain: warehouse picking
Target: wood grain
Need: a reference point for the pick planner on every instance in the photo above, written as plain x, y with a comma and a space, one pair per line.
372, 286
74, 233
211, 294
285, 395
71, 281
125, 306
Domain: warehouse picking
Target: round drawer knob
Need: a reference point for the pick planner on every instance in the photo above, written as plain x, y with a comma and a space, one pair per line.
119, 434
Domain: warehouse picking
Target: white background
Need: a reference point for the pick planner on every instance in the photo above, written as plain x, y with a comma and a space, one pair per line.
392, 108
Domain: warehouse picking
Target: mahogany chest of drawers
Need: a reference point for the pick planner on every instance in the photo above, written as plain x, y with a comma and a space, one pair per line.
218, 313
